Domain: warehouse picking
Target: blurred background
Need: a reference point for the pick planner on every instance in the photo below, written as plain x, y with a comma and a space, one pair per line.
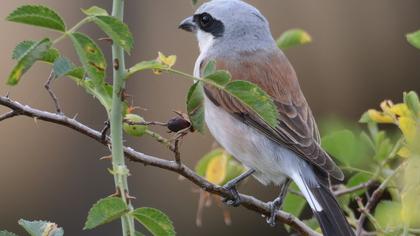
359, 57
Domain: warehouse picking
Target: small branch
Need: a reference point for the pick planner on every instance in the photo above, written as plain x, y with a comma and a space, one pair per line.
8, 115
47, 86
345, 191
373, 200
248, 202
147, 123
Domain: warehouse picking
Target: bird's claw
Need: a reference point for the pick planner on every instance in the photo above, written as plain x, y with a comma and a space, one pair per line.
274, 207
235, 200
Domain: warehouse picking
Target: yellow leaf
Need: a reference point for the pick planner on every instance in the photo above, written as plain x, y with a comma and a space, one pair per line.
379, 117
216, 169
408, 128
167, 60
404, 152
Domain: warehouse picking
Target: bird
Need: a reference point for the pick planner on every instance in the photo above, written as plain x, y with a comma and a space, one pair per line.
237, 37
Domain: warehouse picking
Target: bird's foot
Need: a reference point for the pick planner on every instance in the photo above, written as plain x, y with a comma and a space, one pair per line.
274, 207
235, 200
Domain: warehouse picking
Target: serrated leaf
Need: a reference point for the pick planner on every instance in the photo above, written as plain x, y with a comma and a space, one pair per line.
39, 16
41, 228
117, 30
22, 48
95, 11
201, 166
26, 59
292, 38
105, 211
414, 39
220, 77
7, 233
195, 106
254, 98
62, 66
157, 222
91, 56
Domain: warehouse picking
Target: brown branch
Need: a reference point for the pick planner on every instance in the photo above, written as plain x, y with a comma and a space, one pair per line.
8, 115
47, 86
248, 202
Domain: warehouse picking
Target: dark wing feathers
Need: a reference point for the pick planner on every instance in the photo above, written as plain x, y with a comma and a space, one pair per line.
296, 129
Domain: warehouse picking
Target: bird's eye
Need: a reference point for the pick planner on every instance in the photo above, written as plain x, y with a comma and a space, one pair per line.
205, 20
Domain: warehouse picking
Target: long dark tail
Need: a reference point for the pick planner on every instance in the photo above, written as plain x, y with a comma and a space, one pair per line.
331, 218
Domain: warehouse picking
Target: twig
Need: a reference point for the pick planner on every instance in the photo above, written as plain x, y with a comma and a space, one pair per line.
345, 191
373, 200
157, 123
248, 202
8, 115
47, 86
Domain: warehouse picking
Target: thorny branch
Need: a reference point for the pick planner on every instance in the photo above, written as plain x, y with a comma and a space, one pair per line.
248, 202
176, 166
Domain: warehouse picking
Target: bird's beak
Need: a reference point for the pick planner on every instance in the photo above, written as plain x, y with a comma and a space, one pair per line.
188, 25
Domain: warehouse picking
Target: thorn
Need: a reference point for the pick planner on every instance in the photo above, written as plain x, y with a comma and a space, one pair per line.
129, 197
116, 64
106, 39
116, 194
75, 116
36, 122
105, 158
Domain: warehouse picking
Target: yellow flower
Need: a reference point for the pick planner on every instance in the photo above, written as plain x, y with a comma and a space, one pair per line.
401, 110
379, 117
408, 128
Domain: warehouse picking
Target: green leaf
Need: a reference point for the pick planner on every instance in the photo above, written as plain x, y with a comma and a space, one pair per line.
105, 211
95, 11
210, 68
411, 99
39, 16
90, 56
41, 228
388, 214
256, 99
201, 166
62, 66
102, 92
27, 58
344, 146
293, 203
137, 233
219, 77
357, 179
22, 48
233, 170
195, 106
157, 222
194, 2
292, 38
7, 233
146, 65
116, 30
414, 39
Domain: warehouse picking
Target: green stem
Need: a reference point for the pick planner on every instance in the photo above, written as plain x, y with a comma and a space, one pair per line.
73, 29
116, 121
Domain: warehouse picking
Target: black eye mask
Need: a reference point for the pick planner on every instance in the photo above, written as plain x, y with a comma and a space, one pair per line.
209, 24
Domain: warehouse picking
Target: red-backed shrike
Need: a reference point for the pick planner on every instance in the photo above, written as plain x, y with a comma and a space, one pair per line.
237, 36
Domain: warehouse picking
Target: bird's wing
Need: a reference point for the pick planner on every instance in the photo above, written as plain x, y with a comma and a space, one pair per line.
296, 127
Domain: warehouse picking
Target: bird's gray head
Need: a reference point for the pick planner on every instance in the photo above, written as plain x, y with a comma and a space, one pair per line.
231, 25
